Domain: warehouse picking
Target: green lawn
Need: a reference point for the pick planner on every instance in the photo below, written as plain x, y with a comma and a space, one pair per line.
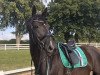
14, 59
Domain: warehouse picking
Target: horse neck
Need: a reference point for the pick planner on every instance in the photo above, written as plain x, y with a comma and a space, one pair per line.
34, 51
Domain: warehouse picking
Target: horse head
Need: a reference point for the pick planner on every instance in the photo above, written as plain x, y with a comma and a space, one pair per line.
38, 24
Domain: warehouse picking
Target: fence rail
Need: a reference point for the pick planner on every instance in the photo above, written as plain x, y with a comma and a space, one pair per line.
26, 46
91, 44
14, 46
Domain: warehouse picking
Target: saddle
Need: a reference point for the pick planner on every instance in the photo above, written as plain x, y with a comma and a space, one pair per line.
68, 50
71, 55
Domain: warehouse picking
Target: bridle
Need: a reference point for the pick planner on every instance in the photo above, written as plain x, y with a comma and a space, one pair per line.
41, 43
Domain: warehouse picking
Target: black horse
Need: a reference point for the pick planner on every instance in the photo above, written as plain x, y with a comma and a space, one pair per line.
44, 51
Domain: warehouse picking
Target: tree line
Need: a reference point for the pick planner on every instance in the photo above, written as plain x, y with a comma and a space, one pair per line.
83, 16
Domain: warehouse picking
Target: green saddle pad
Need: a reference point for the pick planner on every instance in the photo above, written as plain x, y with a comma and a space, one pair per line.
78, 51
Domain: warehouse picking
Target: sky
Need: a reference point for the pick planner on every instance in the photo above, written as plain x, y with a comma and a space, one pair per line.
7, 35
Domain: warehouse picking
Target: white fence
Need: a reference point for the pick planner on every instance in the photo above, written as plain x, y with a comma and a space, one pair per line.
14, 46
26, 46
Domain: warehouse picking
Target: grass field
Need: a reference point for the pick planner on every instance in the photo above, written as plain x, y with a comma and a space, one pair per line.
14, 59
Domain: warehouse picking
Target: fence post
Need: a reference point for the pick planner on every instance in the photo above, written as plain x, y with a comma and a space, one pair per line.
18, 46
5, 47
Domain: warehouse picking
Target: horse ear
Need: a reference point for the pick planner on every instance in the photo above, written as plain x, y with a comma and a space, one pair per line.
33, 10
45, 13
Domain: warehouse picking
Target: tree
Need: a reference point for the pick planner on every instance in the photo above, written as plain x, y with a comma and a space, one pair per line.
15, 13
79, 15
90, 11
